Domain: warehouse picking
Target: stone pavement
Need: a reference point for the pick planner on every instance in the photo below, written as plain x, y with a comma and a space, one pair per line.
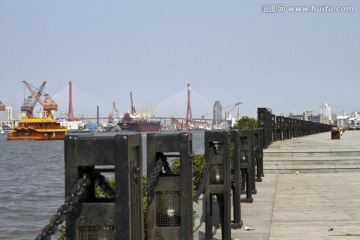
303, 206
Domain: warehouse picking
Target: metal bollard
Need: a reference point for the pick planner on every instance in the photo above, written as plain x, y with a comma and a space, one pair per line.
265, 119
281, 124
236, 179
258, 153
247, 164
119, 216
218, 183
170, 205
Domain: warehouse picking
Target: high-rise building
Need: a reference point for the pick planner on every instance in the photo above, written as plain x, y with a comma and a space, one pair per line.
326, 111
217, 113
9, 114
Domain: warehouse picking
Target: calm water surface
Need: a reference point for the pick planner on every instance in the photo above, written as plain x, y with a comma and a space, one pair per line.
32, 183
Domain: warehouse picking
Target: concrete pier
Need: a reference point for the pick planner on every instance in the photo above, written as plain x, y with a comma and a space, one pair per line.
314, 201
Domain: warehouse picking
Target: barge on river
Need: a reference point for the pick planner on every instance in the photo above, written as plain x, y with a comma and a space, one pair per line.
139, 122
37, 129
128, 123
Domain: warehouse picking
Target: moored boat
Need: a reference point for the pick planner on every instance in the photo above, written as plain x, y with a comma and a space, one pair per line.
139, 122
130, 124
37, 129
5, 128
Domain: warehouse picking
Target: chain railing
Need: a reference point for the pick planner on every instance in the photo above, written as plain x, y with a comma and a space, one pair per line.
153, 178
200, 190
57, 219
77, 191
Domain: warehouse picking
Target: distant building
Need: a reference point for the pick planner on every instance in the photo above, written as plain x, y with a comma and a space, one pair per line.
296, 116
326, 114
343, 120
308, 115
354, 120
9, 114
324, 119
217, 113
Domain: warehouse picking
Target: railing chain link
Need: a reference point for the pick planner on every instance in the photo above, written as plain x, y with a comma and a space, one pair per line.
153, 177
200, 190
57, 219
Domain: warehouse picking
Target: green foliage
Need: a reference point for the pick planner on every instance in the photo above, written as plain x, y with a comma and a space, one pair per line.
246, 123
62, 232
198, 168
99, 192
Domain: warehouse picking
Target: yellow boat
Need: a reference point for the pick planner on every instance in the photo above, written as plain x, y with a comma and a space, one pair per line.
37, 129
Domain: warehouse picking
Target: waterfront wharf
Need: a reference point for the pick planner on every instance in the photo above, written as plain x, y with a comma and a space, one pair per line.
311, 190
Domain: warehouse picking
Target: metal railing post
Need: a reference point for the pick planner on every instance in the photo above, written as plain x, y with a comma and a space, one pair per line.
218, 183
170, 203
119, 215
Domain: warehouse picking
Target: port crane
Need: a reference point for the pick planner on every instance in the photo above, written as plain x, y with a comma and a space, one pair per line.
111, 116
133, 111
48, 104
29, 103
227, 114
2, 106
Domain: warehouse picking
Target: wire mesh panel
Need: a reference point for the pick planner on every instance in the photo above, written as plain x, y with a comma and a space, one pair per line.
96, 232
114, 165
167, 209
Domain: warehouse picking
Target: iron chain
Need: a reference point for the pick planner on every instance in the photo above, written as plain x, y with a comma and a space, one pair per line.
57, 219
204, 178
153, 178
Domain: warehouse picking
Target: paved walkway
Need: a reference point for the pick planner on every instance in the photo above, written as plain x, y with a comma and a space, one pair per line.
304, 206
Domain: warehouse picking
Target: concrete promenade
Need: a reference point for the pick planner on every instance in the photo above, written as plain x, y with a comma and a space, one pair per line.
304, 205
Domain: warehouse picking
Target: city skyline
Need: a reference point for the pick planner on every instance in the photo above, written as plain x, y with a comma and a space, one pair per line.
62, 98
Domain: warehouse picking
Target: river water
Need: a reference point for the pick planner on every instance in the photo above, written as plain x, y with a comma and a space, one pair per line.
32, 183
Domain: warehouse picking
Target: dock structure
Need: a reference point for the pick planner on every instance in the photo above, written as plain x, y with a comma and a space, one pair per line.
311, 190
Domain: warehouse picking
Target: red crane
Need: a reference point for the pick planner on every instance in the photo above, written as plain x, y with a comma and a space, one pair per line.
70, 111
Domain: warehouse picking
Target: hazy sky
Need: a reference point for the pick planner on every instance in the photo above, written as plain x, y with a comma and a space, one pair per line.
227, 50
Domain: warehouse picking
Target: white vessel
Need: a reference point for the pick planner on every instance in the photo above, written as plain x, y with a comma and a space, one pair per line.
5, 129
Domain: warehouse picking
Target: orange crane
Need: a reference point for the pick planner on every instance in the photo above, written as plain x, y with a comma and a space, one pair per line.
2, 106
29, 103
48, 104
